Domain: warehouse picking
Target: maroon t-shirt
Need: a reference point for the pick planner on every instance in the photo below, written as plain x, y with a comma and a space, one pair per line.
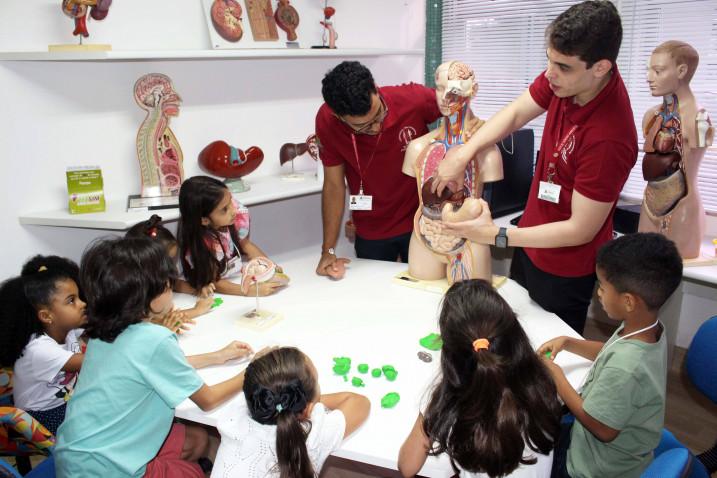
595, 160
395, 198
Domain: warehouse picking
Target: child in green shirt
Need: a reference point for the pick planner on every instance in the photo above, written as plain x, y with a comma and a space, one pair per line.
619, 413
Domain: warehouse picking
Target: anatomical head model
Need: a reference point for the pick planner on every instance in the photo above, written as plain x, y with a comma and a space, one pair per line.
159, 154
78, 9
434, 254
677, 133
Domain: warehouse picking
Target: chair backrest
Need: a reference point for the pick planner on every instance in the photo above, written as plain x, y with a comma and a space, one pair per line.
46, 469
20, 434
675, 463
702, 357
7, 471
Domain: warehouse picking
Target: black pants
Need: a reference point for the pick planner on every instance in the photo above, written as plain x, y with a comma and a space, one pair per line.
390, 249
566, 297
560, 453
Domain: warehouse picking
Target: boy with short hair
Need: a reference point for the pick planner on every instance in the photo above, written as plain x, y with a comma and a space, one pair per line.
620, 410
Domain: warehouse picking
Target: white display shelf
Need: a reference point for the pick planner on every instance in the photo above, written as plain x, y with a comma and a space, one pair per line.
161, 55
116, 217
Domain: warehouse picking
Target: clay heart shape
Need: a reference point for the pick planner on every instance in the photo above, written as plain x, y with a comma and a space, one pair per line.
226, 18
220, 159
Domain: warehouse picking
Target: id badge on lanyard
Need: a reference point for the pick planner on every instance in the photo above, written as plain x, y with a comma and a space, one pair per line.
361, 201
549, 190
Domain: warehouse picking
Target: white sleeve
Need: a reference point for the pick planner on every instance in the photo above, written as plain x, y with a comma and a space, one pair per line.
46, 358
327, 433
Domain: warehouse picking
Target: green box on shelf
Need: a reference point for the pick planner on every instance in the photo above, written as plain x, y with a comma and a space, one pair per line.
85, 190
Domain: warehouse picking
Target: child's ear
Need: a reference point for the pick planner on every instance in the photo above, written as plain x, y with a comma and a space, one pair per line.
45, 316
205, 221
306, 414
629, 302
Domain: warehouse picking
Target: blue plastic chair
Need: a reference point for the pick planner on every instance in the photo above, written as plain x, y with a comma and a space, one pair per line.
46, 469
674, 463
702, 357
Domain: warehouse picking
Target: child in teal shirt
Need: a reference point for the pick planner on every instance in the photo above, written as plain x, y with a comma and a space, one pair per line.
620, 410
119, 422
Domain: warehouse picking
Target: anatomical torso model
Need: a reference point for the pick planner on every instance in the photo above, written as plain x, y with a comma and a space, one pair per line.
677, 134
434, 254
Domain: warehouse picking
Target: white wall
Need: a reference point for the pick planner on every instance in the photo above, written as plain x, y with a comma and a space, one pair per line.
57, 114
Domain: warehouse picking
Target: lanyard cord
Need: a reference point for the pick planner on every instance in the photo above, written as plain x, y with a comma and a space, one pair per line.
370, 160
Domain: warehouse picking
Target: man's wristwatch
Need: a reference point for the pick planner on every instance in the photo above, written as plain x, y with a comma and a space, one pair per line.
330, 250
501, 239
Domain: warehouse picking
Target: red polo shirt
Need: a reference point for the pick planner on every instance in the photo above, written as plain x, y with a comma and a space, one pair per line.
595, 160
395, 198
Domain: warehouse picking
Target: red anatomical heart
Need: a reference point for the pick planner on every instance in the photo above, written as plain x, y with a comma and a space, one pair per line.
226, 18
220, 159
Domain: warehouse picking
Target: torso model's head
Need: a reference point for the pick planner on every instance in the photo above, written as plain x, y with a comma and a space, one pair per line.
672, 66
455, 86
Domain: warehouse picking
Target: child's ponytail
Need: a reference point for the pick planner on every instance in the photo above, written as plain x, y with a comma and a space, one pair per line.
278, 388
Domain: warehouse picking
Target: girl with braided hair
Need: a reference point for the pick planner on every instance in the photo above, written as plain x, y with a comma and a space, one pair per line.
287, 429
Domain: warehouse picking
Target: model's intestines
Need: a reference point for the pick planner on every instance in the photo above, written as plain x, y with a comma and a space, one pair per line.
160, 156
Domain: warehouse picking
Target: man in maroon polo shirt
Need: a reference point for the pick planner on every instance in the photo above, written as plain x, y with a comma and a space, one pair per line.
588, 148
364, 131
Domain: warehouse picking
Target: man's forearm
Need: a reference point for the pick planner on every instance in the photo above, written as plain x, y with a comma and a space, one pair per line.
332, 211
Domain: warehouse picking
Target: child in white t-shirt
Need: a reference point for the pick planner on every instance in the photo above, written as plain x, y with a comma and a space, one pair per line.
286, 427
40, 315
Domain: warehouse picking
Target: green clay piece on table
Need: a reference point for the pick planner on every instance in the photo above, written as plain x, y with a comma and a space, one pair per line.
217, 302
342, 365
346, 379
431, 342
363, 368
390, 400
357, 382
376, 372
390, 372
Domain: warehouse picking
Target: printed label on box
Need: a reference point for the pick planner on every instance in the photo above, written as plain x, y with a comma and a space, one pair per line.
85, 189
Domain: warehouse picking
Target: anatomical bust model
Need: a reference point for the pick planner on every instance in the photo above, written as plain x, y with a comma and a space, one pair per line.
677, 134
434, 254
159, 154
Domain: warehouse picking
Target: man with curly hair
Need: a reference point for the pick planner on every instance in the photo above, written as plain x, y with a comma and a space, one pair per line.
588, 148
364, 131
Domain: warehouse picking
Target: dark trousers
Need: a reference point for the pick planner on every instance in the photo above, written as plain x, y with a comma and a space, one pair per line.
566, 297
390, 249
560, 453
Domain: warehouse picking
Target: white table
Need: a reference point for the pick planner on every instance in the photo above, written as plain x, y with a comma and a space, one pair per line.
368, 318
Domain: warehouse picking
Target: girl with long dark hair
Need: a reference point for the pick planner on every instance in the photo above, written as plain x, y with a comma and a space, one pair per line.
494, 409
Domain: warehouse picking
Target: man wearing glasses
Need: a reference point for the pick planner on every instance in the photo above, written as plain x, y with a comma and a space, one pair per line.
364, 131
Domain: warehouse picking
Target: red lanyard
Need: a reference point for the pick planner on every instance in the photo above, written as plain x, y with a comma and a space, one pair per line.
370, 160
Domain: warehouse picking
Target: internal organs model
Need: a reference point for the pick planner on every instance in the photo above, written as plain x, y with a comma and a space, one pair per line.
677, 134
226, 161
158, 151
226, 18
77, 9
261, 269
434, 254
289, 151
287, 18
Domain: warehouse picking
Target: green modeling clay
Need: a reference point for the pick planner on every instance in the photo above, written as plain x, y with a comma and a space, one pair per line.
363, 368
217, 302
390, 400
357, 382
346, 379
342, 365
431, 342
390, 372
376, 372
548, 353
